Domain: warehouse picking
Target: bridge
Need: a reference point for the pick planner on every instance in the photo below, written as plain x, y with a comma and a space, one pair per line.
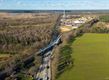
44, 71
50, 46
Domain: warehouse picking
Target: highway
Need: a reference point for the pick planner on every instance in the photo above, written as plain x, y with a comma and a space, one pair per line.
44, 71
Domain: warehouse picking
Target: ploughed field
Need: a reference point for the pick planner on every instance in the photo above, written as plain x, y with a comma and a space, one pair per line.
91, 58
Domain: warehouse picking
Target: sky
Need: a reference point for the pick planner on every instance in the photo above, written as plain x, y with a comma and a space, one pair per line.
54, 4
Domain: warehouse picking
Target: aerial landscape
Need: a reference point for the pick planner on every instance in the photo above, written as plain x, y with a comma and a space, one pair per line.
54, 40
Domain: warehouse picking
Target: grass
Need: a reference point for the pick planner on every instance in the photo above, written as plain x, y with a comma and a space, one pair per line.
91, 58
4, 55
104, 18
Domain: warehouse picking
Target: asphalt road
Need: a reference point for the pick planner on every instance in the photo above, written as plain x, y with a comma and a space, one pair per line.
44, 72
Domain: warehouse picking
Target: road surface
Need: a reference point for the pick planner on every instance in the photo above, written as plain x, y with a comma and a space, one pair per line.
44, 72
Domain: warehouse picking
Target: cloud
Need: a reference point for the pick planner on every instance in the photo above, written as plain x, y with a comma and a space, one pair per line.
19, 3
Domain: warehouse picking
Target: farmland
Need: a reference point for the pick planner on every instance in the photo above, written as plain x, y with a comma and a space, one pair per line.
90, 55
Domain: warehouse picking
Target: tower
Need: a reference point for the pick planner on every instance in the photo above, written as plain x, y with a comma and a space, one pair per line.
64, 15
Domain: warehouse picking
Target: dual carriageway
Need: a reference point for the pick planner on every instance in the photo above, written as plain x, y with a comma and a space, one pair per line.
44, 71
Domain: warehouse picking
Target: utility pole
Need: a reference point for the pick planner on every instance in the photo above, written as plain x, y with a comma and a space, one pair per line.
64, 15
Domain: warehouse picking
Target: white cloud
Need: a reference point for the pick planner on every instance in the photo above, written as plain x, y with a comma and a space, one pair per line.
19, 3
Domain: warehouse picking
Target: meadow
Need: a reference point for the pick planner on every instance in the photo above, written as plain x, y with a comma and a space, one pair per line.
91, 58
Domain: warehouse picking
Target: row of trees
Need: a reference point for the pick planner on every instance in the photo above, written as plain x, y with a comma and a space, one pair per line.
65, 59
65, 51
93, 27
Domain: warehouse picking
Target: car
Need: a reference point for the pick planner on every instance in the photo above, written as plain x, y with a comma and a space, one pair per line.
47, 78
48, 67
41, 79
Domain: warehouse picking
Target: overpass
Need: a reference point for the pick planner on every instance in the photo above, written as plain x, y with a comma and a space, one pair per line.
50, 46
44, 71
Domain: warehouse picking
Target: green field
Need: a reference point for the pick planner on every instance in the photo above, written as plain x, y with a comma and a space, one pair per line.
91, 58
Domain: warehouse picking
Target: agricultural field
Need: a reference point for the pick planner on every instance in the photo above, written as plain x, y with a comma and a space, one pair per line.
91, 58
